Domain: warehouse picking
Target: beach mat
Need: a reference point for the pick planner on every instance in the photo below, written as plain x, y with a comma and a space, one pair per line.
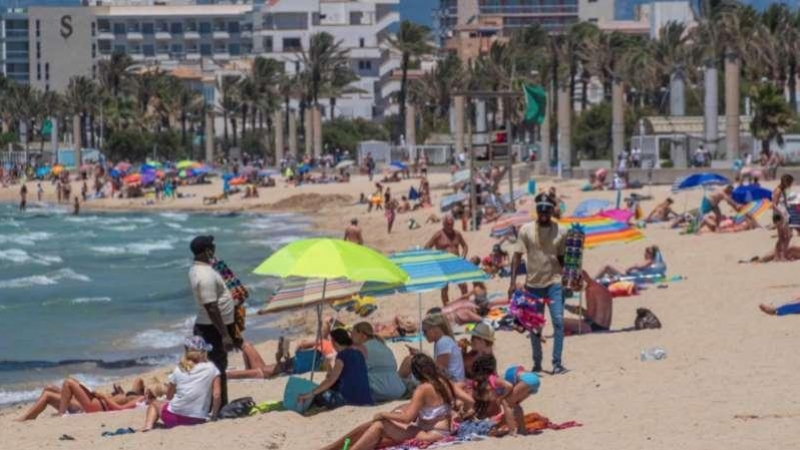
294, 388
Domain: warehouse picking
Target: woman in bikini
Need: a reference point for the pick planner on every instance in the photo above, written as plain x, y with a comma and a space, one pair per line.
255, 367
427, 417
74, 397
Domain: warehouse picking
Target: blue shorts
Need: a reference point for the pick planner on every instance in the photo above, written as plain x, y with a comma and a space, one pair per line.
531, 380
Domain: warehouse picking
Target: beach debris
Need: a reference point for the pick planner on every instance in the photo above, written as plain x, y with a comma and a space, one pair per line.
66, 437
653, 354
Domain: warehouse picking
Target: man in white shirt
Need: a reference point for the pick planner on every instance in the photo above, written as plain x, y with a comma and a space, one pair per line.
214, 321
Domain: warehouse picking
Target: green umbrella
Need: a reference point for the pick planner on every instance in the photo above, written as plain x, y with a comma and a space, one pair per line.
330, 259
185, 164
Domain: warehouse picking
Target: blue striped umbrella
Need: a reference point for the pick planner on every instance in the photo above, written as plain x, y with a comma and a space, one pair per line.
701, 179
428, 270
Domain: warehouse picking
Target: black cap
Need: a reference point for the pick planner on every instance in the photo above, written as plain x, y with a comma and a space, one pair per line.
201, 243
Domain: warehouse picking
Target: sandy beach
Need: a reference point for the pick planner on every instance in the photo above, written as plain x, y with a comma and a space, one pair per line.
727, 381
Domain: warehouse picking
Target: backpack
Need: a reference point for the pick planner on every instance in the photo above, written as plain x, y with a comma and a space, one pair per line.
646, 320
237, 408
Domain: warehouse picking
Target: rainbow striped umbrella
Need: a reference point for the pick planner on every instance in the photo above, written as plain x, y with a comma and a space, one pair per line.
602, 230
298, 293
507, 223
755, 209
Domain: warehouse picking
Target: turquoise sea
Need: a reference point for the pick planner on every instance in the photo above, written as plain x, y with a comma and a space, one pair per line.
100, 295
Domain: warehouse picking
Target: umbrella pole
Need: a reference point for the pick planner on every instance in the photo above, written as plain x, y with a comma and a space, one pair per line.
319, 329
419, 306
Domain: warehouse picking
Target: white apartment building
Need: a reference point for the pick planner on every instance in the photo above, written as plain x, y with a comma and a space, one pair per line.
69, 41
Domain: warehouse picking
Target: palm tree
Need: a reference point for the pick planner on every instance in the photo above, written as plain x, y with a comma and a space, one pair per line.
339, 85
228, 87
191, 105
784, 33
673, 60
267, 75
772, 115
411, 42
113, 72
51, 104
80, 98
321, 61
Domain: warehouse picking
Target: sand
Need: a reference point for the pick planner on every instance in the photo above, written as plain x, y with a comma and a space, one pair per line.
727, 382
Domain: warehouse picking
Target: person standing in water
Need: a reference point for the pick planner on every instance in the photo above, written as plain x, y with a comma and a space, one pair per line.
39, 192
214, 321
23, 197
77, 207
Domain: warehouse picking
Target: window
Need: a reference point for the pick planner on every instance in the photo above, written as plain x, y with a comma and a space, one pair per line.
235, 49
119, 28
593, 20
38, 28
361, 42
365, 65
205, 49
191, 47
119, 48
220, 47
267, 44
94, 50
148, 28
133, 27
38, 50
355, 17
94, 29
247, 47
104, 47
286, 21
191, 25
233, 27
219, 25
39, 71
94, 71
292, 45
134, 49
104, 26
176, 27
162, 49
592, 1
149, 50
205, 27
47, 71
176, 49
162, 27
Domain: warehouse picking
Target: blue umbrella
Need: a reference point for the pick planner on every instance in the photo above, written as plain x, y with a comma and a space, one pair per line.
751, 193
399, 165
450, 200
459, 177
696, 180
42, 172
588, 207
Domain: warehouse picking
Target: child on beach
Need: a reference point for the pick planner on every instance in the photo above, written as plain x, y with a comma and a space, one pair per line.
194, 388
509, 392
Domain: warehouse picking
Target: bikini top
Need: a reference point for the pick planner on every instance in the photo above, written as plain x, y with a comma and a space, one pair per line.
434, 413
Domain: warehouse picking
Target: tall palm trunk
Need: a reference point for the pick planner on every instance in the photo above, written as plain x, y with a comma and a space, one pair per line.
256, 112
732, 98
91, 130
225, 128
564, 126
402, 96
584, 93
233, 129
793, 84
333, 106
244, 118
183, 128
617, 117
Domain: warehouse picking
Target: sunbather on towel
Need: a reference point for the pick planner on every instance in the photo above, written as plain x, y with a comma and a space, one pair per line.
727, 225
662, 213
651, 255
74, 396
255, 367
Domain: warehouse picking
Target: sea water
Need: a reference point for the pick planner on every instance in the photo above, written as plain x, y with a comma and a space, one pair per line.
99, 295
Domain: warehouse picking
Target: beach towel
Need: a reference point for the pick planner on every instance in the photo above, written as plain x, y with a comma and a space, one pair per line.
622, 289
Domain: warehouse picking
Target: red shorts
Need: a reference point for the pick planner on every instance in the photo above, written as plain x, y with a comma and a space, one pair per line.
171, 419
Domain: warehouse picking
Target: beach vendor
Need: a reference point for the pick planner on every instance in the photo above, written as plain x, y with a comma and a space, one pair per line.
215, 308
542, 242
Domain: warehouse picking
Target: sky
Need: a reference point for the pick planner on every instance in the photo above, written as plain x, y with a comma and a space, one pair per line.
420, 11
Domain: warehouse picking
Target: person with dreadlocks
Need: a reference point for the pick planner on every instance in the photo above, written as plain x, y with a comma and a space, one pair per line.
506, 394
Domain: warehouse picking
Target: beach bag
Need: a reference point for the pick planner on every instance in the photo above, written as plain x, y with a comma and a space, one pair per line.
646, 320
294, 388
304, 361
239, 294
237, 408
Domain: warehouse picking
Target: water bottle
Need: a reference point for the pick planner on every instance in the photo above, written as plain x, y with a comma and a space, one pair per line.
653, 354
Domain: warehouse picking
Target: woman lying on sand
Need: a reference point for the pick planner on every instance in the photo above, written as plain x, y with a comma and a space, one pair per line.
74, 397
651, 259
727, 225
427, 417
255, 367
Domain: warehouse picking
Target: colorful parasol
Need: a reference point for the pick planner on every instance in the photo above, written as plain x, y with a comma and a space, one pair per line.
508, 223
602, 230
755, 209
297, 293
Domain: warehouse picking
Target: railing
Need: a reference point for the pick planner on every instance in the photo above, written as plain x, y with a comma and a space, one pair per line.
529, 9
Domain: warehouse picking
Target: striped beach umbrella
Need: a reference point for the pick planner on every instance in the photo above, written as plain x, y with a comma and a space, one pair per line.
755, 209
602, 230
296, 293
507, 223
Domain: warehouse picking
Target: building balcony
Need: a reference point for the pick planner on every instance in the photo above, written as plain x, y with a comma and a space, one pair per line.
364, 53
135, 36
191, 35
221, 34
105, 36
222, 56
193, 56
162, 57
163, 36
388, 20
137, 57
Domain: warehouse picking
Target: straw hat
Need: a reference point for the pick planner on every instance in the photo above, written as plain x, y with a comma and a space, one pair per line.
483, 331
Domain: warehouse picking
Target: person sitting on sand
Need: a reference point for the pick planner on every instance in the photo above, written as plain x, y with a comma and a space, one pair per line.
597, 315
405, 206
782, 250
446, 352
194, 388
347, 382
507, 392
718, 197
783, 310
426, 418
400, 326
481, 342
728, 225
652, 256
255, 367
73, 397
497, 262
384, 382
662, 212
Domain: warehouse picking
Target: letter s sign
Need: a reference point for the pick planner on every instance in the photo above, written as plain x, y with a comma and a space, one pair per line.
66, 26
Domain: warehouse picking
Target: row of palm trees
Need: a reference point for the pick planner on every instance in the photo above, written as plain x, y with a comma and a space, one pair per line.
759, 54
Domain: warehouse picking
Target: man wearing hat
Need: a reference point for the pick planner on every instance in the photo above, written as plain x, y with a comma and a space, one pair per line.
214, 321
543, 244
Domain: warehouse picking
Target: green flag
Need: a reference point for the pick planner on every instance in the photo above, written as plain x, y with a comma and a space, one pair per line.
47, 127
536, 101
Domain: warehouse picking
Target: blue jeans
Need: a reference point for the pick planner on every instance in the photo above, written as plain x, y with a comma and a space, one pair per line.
789, 308
552, 292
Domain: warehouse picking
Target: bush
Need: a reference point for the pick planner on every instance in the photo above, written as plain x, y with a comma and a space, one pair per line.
253, 142
345, 134
8, 138
136, 145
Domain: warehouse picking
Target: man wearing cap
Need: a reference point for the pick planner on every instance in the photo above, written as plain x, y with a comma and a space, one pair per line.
543, 244
214, 321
